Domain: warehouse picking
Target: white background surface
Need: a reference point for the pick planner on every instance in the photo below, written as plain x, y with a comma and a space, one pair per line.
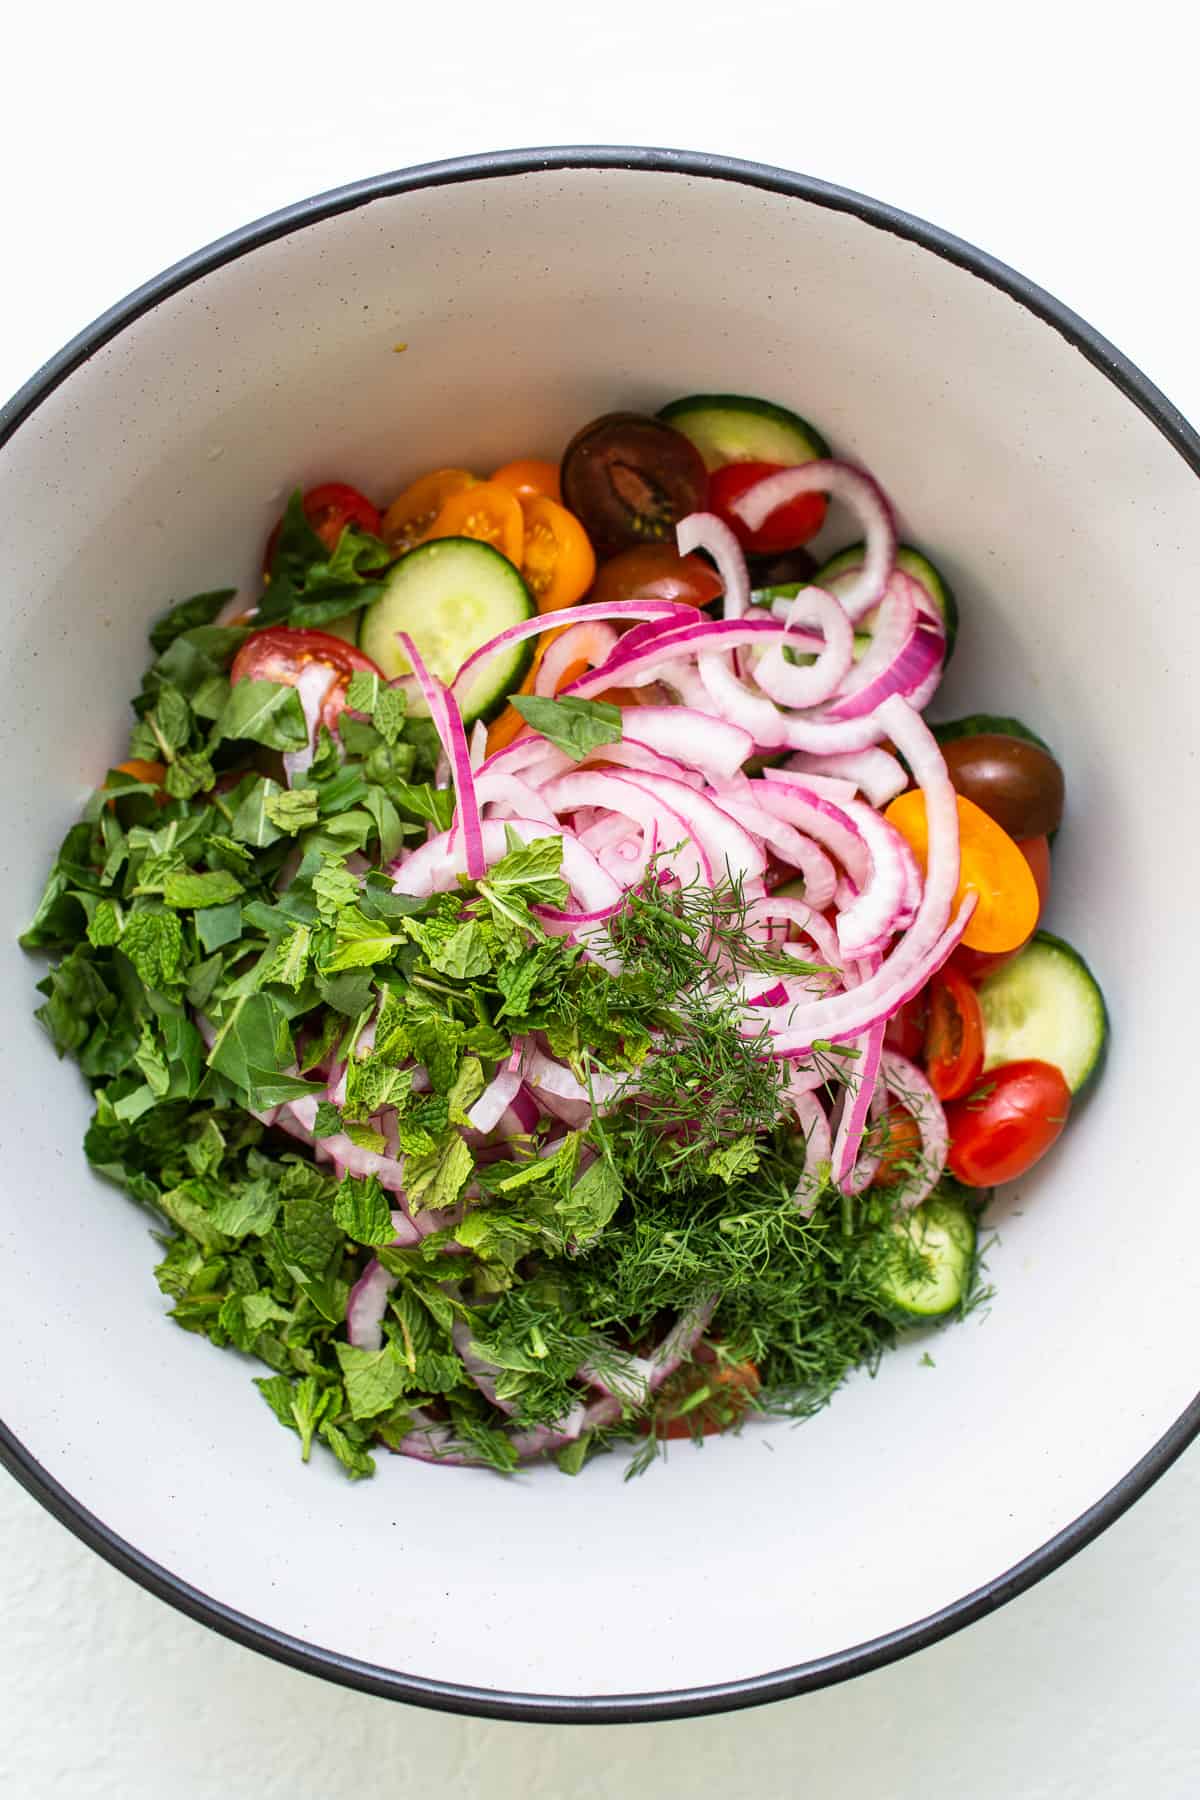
1059, 138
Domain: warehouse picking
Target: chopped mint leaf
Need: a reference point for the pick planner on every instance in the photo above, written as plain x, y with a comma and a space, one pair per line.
361, 1209
288, 962
217, 926
263, 712
252, 822
201, 609
188, 888
374, 1379
731, 1160
591, 1203
292, 809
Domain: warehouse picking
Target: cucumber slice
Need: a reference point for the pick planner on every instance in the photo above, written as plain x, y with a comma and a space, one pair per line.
913, 562
1046, 1004
927, 1261
347, 627
451, 596
981, 724
729, 428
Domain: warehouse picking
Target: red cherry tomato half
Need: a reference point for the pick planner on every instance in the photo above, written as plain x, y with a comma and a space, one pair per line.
657, 572
954, 1042
280, 654
329, 508
976, 964
1011, 1119
905, 1030
785, 529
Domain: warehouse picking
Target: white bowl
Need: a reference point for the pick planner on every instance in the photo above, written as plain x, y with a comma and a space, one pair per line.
1058, 489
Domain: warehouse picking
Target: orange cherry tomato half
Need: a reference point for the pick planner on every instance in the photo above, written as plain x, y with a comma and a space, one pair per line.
408, 519
485, 511
990, 867
530, 478
786, 528
708, 1397
954, 1040
901, 1139
558, 562
1001, 1129
976, 964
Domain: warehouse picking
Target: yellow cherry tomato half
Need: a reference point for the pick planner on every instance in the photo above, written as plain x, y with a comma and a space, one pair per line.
408, 519
991, 866
559, 564
530, 479
488, 512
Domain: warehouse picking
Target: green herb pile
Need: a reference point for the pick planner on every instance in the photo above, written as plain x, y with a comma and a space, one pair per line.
221, 947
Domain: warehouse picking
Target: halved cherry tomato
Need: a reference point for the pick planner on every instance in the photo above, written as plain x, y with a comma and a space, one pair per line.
280, 654
656, 572
707, 1396
558, 562
329, 508
976, 964
530, 479
999, 1132
630, 479
901, 1140
905, 1030
954, 1042
408, 519
486, 511
990, 866
785, 529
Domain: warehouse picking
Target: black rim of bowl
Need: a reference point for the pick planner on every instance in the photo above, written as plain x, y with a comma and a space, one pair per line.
776, 1684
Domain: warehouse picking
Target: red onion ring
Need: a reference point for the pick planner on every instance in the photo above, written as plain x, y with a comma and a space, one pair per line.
856, 489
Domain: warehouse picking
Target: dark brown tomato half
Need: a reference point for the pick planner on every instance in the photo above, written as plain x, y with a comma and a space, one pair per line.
1016, 783
630, 479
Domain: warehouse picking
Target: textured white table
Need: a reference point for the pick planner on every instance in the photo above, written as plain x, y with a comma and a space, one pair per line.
1060, 138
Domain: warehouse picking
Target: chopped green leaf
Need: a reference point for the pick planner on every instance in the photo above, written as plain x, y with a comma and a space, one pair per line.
573, 726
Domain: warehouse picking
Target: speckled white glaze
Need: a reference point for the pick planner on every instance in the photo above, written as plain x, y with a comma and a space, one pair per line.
529, 303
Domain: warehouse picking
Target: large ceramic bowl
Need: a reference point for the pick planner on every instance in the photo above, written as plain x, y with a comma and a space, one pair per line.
1060, 492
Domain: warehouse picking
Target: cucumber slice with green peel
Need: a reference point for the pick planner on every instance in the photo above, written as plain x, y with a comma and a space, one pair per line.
451, 596
927, 1261
986, 724
1045, 1004
347, 627
728, 428
915, 563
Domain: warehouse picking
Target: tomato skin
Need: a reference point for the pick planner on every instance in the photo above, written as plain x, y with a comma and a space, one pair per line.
1016, 783
656, 572
905, 1030
1020, 1111
529, 478
785, 529
558, 562
281, 652
901, 1145
976, 965
329, 508
954, 1044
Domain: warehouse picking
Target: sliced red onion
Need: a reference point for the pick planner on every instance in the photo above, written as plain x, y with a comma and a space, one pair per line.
818, 1152
482, 1372
909, 1085
790, 846
753, 712
873, 915
637, 659
312, 684
478, 745
875, 772
551, 621
851, 1172
625, 1379
497, 789
554, 1079
696, 740
447, 722
682, 1339
632, 754
856, 489
529, 756
620, 794
818, 818
704, 531
590, 643
796, 685
806, 918
367, 1305
928, 941
905, 651
494, 1101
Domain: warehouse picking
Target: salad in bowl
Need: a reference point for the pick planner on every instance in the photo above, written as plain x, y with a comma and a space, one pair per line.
544, 975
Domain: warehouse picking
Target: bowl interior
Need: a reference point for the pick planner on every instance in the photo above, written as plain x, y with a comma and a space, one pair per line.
1069, 526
